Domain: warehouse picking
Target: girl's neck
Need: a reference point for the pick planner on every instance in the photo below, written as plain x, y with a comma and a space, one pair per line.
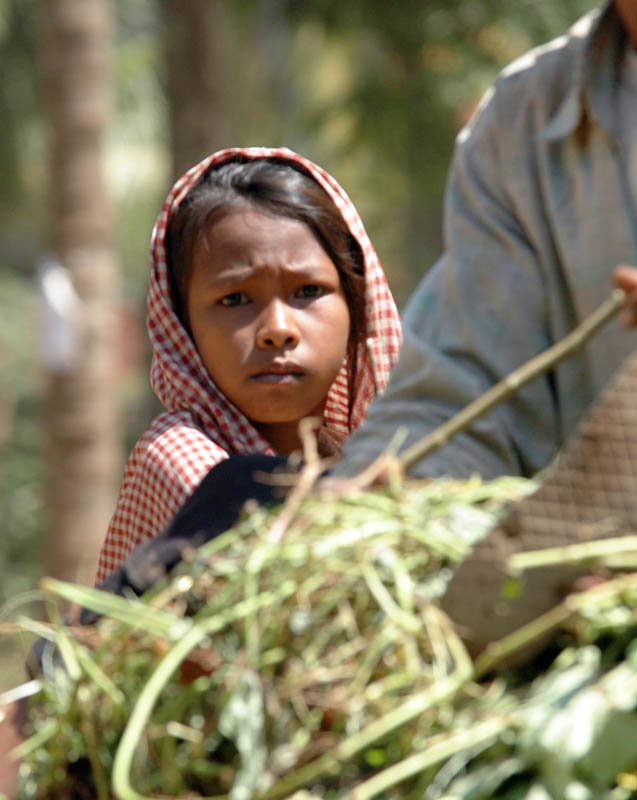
286, 441
283, 436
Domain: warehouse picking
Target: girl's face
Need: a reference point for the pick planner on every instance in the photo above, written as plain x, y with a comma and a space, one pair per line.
269, 318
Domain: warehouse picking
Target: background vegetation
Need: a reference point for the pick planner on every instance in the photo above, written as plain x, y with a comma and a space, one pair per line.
373, 91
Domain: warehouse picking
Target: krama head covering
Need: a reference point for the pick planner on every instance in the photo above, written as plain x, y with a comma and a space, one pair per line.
201, 426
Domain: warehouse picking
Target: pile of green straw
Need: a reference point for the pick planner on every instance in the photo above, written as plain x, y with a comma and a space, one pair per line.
302, 654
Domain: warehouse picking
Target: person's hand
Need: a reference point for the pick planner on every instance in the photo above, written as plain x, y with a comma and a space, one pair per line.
625, 278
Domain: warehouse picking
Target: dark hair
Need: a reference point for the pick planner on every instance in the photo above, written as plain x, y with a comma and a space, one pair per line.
286, 190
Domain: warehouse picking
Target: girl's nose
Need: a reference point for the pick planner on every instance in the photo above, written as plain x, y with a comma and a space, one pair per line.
277, 327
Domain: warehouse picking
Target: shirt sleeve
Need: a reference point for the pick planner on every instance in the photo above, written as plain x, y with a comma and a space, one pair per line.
478, 314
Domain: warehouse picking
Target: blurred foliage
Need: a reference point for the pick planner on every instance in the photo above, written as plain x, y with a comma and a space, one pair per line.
137, 156
374, 92
382, 89
20, 468
21, 138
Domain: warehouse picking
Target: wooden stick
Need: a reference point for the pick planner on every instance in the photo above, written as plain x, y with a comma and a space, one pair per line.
514, 381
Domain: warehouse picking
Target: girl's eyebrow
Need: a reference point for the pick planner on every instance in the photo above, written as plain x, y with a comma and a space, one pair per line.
238, 273
230, 275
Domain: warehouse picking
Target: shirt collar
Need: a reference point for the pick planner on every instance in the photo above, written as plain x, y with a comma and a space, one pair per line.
594, 76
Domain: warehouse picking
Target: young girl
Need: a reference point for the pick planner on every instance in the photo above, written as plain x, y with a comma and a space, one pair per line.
267, 304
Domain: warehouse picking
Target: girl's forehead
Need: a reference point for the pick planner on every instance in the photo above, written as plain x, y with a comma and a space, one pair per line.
250, 245
250, 227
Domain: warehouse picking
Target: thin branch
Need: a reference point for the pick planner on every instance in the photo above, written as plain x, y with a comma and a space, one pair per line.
597, 549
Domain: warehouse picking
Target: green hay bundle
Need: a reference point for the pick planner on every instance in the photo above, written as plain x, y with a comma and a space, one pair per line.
318, 665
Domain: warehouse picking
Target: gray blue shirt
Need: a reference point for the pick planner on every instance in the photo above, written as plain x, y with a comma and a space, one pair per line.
539, 209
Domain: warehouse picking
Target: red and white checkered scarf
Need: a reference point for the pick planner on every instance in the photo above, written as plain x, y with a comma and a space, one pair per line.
201, 426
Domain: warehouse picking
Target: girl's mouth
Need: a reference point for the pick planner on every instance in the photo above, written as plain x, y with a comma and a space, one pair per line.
284, 372
278, 378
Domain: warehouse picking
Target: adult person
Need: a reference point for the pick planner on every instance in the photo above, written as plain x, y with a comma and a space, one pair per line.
540, 208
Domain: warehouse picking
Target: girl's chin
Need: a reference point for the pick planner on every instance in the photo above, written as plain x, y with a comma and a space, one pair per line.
284, 418
276, 406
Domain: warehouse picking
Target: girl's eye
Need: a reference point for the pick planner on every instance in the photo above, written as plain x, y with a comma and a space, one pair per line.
234, 299
310, 290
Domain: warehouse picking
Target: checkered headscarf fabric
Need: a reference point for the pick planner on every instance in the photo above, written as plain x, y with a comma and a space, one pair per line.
201, 426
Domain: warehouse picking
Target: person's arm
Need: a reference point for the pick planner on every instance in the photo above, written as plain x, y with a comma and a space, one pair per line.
480, 313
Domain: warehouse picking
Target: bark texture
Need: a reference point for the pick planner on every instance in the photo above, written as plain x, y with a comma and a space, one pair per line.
197, 80
81, 420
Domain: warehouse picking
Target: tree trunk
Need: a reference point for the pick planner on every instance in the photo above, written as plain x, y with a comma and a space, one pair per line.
83, 454
197, 80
